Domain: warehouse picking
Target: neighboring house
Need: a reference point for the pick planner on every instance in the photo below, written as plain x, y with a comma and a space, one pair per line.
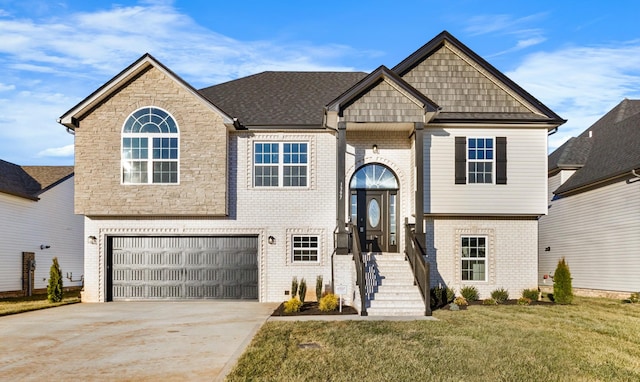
38, 223
594, 214
232, 190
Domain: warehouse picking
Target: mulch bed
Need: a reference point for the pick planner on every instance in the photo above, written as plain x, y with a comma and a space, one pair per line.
508, 302
311, 309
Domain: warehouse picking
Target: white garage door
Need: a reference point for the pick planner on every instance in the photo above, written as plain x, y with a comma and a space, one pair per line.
174, 268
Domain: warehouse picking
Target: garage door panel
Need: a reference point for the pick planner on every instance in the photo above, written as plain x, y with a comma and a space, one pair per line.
184, 268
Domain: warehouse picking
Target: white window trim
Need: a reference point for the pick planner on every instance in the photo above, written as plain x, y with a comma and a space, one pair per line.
149, 160
492, 161
281, 165
317, 248
320, 233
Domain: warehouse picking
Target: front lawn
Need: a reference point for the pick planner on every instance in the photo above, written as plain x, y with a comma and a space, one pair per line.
14, 305
591, 340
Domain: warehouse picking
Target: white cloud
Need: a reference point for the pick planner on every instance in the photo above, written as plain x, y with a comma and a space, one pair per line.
4, 87
64, 151
581, 84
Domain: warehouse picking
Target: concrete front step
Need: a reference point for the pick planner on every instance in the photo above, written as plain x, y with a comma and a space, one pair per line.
392, 280
395, 312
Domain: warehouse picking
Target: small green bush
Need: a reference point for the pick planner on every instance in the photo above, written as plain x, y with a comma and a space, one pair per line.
489, 301
451, 294
328, 303
292, 305
524, 301
294, 287
531, 294
302, 290
500, 295
634, 298
319, 287
470, 293
54, 288
562, 289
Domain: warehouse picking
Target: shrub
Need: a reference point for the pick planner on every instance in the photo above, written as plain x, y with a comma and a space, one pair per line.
531, 294
562, 290
634, 298
489, 301
470, 293
328, 303
460, 301
319, 287
451, 295
302, 290
294, 287
54, 288
524, 301
292, 305
500, 295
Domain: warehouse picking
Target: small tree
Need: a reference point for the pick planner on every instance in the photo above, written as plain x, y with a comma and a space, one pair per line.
294, 287
54, 289
302, 289
562, 289
319, 287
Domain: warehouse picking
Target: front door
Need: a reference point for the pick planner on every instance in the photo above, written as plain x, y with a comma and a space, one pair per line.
375, 217
373, 205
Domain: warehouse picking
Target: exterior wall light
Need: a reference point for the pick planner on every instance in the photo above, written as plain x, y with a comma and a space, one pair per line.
272, 240
44, 246
92, 239
375, 149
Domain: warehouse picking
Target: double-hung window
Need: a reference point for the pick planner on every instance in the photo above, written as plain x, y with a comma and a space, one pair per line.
280, 164
480, 160
305, 248
150, 147
474, 258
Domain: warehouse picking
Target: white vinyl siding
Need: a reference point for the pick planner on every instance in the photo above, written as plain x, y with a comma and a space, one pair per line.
27, 224
524, 194
597, 233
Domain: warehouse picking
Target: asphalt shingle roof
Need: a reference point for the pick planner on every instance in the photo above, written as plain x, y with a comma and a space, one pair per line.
280, 98
30, 181
615, 147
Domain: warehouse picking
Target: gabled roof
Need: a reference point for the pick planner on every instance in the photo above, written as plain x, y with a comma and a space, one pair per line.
281, 98
364, 85
572, 154
30, 181
538, 111
614, 153
71, 118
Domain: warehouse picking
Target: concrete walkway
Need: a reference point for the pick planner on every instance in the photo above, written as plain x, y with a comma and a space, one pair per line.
129, 341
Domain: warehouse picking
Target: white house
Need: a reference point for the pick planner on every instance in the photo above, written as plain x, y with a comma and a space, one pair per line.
232, 190
38, 223
594, 214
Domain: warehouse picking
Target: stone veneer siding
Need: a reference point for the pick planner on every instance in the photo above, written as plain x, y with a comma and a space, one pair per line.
513, 256
202, 187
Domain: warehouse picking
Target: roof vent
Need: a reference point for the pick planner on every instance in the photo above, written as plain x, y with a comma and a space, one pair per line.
590, 133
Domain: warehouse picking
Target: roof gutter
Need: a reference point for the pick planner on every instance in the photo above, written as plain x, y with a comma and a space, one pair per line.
635, 173
553, 131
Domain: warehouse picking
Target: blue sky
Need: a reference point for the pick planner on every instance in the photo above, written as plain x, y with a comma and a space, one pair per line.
578, 58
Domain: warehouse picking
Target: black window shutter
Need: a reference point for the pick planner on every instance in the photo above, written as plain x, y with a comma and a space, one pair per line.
461, 160
501, 160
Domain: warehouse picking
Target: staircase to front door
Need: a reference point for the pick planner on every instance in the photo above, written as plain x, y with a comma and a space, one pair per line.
390, 288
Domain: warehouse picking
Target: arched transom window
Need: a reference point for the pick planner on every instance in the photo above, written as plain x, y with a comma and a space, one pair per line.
374, 176
150, 151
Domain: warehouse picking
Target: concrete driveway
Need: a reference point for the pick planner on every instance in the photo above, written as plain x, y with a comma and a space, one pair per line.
137, 341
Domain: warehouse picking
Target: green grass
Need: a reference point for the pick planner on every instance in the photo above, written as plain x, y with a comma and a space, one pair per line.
591, 340
15, 305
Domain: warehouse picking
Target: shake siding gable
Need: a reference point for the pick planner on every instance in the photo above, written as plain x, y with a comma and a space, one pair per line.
384, 103
202, 189
456, 84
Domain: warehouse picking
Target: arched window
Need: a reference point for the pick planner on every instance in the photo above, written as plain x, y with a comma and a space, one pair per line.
374, 176
150, 147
